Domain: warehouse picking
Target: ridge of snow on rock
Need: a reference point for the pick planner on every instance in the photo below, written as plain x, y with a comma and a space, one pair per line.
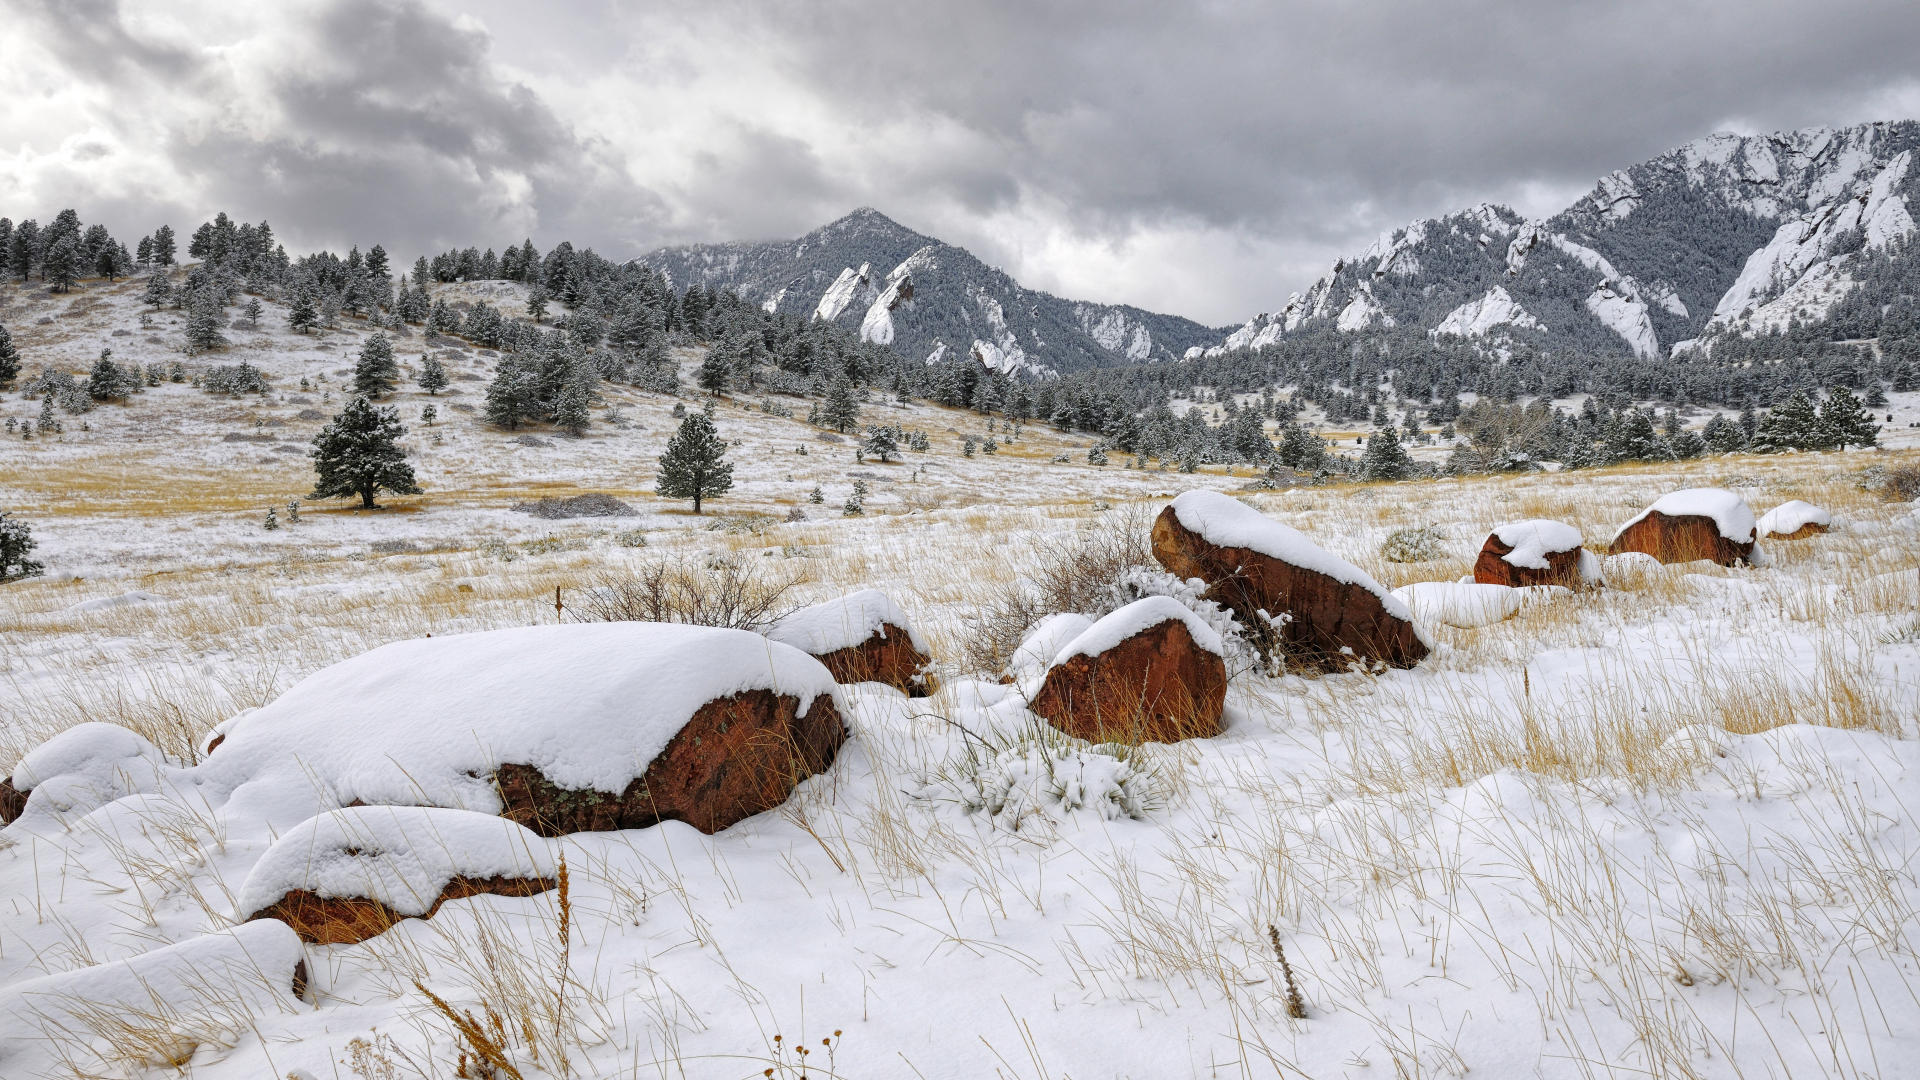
1730, 513
1227, 522
1531, 541
1142, 614
1792, 516
1627, 317
1045, 641
1476, 317
429, 721
402, 856
843, 623
840, 293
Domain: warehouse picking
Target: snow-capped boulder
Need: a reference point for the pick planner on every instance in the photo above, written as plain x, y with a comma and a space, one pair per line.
860, 637
1690, 525
1335, 612
1794, 520
82, 768
349, 874
561, 728
1470, 605
1536, 552
1044, 642
209, 989
1149, 672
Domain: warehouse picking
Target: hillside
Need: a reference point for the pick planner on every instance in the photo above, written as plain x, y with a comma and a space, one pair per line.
1727, 235
928, 299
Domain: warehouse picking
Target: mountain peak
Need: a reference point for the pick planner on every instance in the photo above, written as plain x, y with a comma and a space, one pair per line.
866, 219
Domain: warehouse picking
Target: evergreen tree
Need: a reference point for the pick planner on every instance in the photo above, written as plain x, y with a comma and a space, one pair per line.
841, 411
715, 370
60, 267
302, 313
273, 520
1631, 437
253, 311
882, 441
1794, 424
856, 503
537, 303
693, 466
203, 323
358, 453
159, 289
108, 381
163, 246
433, 375
1723, 436
16, 543
376, 372
9, 360
1385, 458
513, 397
1844, 421
1302, 449
570, 408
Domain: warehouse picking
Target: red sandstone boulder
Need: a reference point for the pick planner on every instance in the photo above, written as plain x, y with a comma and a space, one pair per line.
1335, 613
861, 637
1537, 552
347, 875
1688, 526
559, 728
1150, 672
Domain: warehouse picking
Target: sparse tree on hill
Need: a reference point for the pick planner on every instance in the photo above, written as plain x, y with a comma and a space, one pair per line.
16, 543
108, 381
159, 289
433, 375
715, 371
302, 313
60, 267
694, 466
571, 408
376, 372
841, 411
203, 323
9, 360
163, 246
253, 311
358, 453
537, 303
882, 441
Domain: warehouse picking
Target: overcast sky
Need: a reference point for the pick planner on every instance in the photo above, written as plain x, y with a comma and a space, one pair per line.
1204, 159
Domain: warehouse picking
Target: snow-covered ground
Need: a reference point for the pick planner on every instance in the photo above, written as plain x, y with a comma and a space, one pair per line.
1663, 828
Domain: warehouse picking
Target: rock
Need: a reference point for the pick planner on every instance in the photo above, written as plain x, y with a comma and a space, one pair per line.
564, 728
1149, 672
861, 637
1044, 642
1536, 552
347, 875
12, 800
1795, 520
1336, 612
592, 504
531, 440
1691, 525
84, 767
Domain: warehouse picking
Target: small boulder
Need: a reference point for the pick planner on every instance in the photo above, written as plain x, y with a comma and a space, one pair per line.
1471, 605
860, 637
80, 769
1794, 520
1335, 612
1687, 526
346, 875
565, 728
1149, 672
1536, 552
1044, 642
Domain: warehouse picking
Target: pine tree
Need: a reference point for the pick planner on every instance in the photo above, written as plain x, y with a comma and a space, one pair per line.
1302, 449
882, 441
159, 289
1723, 436
856, 503
841, 410
273, 520
1844, 421
1097, 455
433, 375
16, 543
715, 371
376, 372
108, 381
693, 466
1631, 437
537, 303
571, 407
203, 323
513, 396
302, 313
358, 453
1385, 458
253, 311
60, 267
9, 360
1794, 424
163, 246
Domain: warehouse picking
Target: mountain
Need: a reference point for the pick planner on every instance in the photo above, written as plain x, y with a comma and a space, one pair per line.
927, 299
1727, 235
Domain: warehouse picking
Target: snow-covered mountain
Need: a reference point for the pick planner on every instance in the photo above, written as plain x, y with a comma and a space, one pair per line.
1726, 235
927, 299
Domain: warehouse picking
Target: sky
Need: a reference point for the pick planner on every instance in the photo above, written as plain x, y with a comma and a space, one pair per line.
1203, 159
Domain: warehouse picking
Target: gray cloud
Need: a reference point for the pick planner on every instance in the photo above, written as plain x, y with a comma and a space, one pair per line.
1203, 157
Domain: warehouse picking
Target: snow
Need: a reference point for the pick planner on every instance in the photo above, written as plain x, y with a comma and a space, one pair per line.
877, 326
843, 623
1142, 614
1532, 541
1628, 318
1476, 318
1730, 513
1470, 605
841, 293
401, 856
1362, 311
1227, 522
1112, 330
1790, 517
106, 603
83, 767
200, 992
429, 721
1045, 641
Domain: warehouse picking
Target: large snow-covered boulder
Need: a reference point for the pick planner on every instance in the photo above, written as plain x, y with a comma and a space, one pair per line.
207, 991
349, 874
1044, 642
1149, 672
1691, 525
1536, 552
1336, 613
561, 728
1794, 520
860, 637
84, 767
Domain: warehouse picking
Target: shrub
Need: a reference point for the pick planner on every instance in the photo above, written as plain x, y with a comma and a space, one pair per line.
730, 592
1071, 572
1413, 545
